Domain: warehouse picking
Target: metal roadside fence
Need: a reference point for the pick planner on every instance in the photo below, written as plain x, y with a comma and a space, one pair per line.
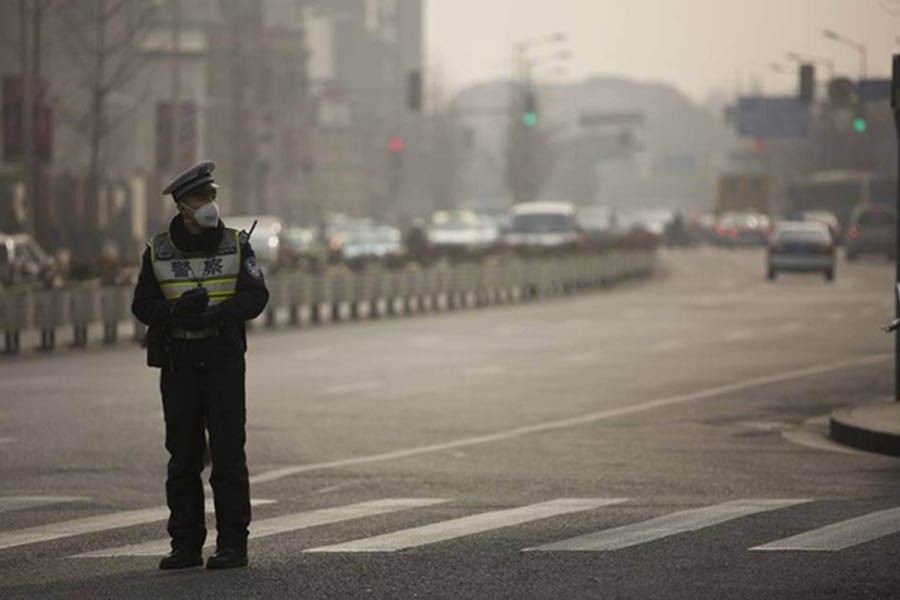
336, 294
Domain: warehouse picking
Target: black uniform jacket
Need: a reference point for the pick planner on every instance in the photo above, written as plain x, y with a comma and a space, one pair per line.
152, 309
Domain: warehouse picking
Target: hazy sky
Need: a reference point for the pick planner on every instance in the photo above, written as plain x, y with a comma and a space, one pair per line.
697, 45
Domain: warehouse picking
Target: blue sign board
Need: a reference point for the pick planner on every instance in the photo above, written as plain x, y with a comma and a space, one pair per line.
874, 90
763, 117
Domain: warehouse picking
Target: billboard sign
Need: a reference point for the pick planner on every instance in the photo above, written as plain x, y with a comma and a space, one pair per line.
762, 117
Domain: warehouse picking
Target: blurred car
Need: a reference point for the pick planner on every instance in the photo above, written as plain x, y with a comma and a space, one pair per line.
599, 223
23, 261
829, 219
871, 229
702, 226
743, 229
461, 230
265, 238
544, 224
365, 241
300, 248
801, 246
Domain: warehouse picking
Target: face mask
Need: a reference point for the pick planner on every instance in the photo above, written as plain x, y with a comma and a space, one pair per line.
207, 216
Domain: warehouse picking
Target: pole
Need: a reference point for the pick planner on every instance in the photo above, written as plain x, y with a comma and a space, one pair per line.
895, 105
176, 88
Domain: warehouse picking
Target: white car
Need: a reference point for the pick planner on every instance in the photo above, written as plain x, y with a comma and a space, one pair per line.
801, 247
545, 224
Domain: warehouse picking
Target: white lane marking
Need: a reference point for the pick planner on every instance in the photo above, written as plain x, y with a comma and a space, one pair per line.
634, 313
454, 528
575, 421
284, 524
425, 340
668, 346
485, 370
841, 535
740, 335
665, 526
10, 503
64, 529
350, 388
8, 440
835, 317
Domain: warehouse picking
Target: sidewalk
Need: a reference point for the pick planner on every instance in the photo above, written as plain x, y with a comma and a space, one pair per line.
873, 426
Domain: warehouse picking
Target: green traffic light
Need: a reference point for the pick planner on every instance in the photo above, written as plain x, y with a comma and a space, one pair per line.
529, 119
860, 125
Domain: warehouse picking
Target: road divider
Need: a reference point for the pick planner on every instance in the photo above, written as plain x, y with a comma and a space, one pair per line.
338, 294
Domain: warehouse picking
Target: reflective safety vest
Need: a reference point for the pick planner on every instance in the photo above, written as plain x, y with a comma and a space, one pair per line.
177, 271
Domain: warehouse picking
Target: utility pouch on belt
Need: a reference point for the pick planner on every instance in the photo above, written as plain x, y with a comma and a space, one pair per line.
158, 347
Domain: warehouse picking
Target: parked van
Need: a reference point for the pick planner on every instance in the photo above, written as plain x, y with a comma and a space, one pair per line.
544, 224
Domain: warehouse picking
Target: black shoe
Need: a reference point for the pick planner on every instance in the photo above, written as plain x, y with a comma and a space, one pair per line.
227, 558
181, 559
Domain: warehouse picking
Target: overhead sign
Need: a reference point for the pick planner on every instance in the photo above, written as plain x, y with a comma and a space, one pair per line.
763, 117
874, 90
600, 119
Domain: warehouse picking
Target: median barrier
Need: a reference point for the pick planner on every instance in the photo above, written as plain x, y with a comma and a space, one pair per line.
336, 293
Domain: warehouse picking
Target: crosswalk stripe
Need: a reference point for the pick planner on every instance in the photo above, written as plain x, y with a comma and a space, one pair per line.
446, 530
64, 529
11, 503
841, 535
283, 524
665, 526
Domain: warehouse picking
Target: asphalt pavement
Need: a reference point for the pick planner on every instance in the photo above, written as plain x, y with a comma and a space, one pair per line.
667, 438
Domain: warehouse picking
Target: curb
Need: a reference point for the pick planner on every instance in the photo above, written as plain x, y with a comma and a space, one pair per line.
847, 428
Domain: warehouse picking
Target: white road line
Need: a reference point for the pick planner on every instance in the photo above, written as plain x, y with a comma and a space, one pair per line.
835, 317
283, 524
668, 346
11, 503
634, 313
602, 415
740, 335
350, 388
665, 526
844, 534
446, 530
8, 440
64, 529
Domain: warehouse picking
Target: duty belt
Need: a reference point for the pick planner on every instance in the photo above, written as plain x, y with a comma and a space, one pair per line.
185, 334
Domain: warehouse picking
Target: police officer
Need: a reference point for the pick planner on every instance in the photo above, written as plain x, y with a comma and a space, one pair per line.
199, 283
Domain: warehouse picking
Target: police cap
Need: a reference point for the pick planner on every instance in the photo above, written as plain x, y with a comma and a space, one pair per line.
193, 179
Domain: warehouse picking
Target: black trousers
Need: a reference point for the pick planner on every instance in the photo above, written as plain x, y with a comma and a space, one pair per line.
195, 398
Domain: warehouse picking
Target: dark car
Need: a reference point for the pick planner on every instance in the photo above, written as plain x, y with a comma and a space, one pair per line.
743, 229
801, 247
872, 229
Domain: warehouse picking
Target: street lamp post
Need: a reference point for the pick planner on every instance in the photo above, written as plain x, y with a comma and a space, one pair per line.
858, 46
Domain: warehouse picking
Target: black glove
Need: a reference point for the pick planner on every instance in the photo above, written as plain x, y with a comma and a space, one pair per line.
192, 301
195, 321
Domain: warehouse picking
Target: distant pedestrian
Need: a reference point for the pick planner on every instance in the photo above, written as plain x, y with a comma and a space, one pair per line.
198, 285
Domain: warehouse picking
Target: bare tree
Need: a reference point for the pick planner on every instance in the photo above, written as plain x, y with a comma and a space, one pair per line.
104, 43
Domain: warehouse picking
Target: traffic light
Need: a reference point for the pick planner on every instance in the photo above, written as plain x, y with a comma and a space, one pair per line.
529, 114
860, 122
396, 145
807, 83
414, 91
